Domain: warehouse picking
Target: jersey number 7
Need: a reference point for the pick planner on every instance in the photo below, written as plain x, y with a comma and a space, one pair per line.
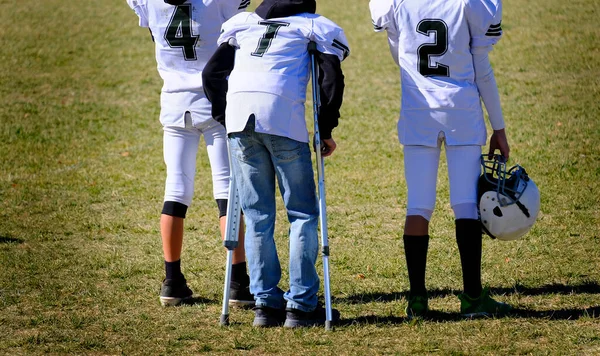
265, 41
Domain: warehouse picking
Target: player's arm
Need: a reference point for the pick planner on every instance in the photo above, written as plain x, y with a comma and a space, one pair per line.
331, 83
488, 90
485, 20
332, 48
230, 8
214, 79
382, 16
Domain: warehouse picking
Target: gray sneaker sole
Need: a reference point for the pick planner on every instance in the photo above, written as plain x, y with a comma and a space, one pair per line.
241, 303
172, 302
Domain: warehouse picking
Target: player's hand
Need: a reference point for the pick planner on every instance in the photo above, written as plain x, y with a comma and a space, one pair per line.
327, 146
498, 141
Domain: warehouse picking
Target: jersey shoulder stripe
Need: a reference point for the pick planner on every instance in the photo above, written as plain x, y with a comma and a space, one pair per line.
244, 4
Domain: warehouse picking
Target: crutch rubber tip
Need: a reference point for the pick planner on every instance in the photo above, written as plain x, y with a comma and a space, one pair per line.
224, 319
328, 325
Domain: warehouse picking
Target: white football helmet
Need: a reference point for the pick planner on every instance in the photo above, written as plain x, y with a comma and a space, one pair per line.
508, 201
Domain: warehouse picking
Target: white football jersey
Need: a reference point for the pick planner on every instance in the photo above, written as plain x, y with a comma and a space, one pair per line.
271, 69
185, 38
433, 42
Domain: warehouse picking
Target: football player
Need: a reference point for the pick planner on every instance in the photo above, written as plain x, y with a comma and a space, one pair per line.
442, 49
264, 55
185, 34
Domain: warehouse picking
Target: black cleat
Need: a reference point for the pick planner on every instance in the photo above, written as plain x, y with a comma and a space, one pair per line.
296, 318
174, 291
266, 317
239, 295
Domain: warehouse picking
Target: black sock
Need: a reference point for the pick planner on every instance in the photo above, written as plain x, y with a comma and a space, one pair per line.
415, 251
468, 238
239, 274
173, 269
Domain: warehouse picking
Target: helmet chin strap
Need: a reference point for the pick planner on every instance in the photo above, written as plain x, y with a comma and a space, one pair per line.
175, 2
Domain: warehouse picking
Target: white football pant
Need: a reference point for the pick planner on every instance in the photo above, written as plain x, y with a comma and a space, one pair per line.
421, 169
180, 146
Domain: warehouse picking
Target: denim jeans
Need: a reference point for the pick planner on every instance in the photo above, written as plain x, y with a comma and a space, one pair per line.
257, 159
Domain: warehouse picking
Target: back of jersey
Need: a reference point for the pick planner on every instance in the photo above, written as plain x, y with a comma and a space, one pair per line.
271, 69
185, 36
435, 41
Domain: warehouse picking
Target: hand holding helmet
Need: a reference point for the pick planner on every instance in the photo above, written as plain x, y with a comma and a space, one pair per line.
498, 141
508, 201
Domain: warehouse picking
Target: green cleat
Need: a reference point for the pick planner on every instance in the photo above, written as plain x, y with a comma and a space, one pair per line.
417, 307
484, 306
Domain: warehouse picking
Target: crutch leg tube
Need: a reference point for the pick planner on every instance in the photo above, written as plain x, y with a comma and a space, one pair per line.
230, 241
312, 49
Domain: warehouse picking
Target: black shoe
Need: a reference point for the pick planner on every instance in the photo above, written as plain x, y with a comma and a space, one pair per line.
239, 295
174, 291
266, 317
297, 318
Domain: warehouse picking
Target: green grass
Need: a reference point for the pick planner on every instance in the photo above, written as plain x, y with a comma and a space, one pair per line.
81, 184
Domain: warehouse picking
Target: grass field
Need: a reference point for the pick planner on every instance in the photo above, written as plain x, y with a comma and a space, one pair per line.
81, 185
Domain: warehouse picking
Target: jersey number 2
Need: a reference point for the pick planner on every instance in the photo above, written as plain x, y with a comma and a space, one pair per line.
438, 48
179, 32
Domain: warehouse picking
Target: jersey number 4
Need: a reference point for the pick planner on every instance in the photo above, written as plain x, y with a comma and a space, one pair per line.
179, 32
438, 48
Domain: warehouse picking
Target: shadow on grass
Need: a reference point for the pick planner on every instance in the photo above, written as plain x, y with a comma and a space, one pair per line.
10, 240
197, 301
583, 288
439, 316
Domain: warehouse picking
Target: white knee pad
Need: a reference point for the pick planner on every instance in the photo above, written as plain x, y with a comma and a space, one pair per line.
464, 169
465, 211
216, 147
180, 146
426, 214
420, 170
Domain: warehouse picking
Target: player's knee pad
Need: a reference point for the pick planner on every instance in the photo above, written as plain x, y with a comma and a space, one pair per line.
465, 211
173, 208
222, 204
425, 213
179, 187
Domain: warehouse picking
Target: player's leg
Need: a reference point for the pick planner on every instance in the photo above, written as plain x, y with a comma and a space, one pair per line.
255, 179
294, 169
215, 137
463, 171
179, 148
420, 168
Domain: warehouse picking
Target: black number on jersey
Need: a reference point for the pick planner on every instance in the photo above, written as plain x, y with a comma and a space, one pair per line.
438, 48
179, 32
265, 41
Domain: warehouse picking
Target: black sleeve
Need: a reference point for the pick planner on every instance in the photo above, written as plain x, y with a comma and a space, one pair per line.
214, 79
331, 82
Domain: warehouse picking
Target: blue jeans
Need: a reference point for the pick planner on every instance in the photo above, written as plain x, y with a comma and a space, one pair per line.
258, 158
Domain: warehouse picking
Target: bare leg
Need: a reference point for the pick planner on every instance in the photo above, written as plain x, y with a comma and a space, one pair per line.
239, 254
171, 230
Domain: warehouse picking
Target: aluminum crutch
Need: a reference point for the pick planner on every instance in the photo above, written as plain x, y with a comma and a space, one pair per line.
232, 226
312, 49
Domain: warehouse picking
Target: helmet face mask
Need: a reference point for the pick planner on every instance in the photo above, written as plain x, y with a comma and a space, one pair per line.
508, 200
